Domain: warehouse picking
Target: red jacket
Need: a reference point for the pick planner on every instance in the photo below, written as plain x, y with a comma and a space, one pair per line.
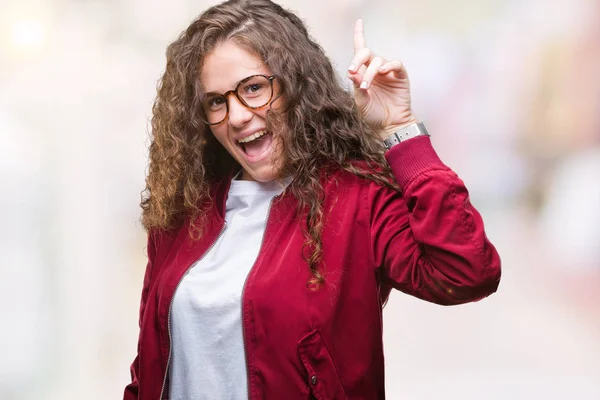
428, 241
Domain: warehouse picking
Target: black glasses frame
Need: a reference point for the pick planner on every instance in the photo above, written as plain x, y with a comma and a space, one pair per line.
235, 92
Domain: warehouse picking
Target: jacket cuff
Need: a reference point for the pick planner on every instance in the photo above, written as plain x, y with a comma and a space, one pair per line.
411, 158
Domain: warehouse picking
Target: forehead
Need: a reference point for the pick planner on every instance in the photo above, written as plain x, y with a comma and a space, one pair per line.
226, 65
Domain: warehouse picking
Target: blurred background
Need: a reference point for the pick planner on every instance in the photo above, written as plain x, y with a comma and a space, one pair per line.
510, 90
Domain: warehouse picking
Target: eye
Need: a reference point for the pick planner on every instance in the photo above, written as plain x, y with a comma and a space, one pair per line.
254, 89
214, 102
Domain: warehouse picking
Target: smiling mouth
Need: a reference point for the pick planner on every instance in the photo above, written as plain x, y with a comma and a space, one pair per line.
255, 145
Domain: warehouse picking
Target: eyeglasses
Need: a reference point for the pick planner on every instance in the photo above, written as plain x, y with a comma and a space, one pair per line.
254, 92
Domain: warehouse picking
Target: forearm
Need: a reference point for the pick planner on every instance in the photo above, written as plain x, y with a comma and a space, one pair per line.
436, 246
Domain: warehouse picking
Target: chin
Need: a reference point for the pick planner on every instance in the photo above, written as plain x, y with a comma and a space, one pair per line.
261, 174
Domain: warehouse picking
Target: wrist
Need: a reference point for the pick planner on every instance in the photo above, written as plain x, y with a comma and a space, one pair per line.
391, 129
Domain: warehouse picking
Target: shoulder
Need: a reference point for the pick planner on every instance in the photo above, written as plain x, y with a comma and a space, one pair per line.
358, 176
358, 188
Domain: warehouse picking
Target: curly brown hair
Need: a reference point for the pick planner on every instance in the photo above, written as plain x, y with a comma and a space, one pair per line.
317, 123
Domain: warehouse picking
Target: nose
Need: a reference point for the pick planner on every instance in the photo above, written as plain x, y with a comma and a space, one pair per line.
239, 115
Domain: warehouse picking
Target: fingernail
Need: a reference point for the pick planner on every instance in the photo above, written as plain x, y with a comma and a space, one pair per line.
382, 68
364, 85
352, 67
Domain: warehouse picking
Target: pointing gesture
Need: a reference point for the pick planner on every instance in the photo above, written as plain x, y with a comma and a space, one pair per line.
381, 87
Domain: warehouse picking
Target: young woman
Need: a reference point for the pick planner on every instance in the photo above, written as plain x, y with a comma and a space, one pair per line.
282, 210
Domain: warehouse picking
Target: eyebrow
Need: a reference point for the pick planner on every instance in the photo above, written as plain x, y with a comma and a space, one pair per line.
213, 92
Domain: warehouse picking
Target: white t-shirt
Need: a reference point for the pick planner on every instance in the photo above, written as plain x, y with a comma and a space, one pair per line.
208, 359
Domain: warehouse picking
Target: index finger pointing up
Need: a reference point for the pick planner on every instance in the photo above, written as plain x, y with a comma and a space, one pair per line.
359, 36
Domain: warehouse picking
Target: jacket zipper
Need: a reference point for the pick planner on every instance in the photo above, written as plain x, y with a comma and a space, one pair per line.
162, 390
243, 293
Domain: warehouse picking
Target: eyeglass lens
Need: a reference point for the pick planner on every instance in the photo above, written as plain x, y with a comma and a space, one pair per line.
253, 92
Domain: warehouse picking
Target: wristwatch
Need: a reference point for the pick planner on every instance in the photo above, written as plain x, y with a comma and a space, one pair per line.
408, 132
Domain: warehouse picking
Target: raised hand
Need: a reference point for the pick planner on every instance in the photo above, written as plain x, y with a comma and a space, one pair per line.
381, 87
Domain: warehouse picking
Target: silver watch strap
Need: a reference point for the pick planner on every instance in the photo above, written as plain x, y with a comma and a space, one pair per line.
408, 132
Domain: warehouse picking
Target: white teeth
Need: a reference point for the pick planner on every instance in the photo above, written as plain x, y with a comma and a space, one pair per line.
252, 137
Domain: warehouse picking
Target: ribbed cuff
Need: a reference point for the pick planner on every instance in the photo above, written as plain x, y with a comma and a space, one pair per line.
411, 158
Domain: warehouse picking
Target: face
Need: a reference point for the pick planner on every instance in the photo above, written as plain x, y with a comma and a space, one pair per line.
243, 132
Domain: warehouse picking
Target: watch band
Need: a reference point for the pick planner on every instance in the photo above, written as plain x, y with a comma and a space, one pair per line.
408, 132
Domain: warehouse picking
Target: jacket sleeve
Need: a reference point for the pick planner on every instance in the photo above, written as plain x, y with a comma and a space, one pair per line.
428, 240
131, 390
